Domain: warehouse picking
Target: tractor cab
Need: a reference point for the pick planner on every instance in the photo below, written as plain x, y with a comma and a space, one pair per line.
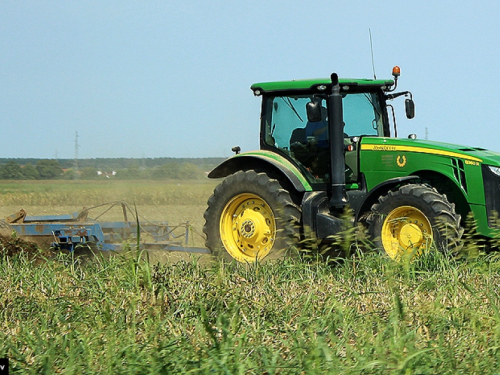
295, 122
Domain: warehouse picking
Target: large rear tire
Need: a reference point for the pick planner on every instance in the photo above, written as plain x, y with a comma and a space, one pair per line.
408, 220
251, 217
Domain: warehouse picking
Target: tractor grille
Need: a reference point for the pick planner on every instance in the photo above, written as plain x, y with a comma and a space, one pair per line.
459, 172
492, 195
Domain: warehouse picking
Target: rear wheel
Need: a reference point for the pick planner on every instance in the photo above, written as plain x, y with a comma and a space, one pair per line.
408, 220
251, 217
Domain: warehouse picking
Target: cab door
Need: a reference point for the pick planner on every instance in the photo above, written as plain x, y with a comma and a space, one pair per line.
362, 117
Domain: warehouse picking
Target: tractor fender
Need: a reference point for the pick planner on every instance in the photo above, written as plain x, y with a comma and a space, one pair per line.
381, 189
265, 163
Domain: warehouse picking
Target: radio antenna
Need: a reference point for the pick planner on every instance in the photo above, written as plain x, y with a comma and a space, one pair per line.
371, 48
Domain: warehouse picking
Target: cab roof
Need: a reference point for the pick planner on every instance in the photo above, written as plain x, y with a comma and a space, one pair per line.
315, 85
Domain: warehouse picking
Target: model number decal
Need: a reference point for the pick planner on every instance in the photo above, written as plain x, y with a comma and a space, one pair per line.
474, 163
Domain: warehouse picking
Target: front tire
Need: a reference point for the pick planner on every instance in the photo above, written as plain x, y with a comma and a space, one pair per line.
251, 217
408, 220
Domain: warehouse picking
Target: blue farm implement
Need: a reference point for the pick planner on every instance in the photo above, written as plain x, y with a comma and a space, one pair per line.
78, 230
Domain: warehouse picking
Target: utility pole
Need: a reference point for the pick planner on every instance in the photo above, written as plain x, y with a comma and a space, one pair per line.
75, 165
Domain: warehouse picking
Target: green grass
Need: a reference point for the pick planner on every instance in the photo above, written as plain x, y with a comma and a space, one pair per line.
367, 314
121, 315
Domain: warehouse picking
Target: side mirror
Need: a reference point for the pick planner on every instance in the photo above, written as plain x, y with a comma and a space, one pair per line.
410, 108
313, 111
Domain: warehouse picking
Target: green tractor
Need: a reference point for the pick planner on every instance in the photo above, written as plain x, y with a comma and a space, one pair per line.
326, 145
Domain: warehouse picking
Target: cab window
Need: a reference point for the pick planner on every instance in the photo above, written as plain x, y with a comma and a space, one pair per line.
362, 115
287, 128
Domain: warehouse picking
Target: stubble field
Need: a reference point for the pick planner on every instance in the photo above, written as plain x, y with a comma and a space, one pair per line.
124, 315
172, 201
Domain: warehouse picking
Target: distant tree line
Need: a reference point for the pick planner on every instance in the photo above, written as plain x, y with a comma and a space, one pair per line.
42, 170
161, 168
120, 163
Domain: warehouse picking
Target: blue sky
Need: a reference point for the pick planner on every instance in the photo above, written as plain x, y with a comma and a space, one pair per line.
171, 78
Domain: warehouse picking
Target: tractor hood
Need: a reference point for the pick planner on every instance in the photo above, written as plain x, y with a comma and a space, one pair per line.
476, 154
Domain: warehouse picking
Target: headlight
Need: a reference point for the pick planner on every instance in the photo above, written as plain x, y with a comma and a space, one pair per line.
495, 170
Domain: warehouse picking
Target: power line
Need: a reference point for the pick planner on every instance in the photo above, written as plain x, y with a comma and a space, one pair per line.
75, 175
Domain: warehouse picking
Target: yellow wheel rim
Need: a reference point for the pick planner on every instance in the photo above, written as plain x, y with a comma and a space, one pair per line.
406, 231
247, 227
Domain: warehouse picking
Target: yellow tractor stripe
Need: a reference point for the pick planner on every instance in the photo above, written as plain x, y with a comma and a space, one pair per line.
419, 150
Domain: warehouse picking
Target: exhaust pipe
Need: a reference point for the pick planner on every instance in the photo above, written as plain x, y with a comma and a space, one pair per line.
337, 153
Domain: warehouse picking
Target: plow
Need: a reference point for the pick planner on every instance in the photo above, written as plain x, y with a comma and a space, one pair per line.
88, 229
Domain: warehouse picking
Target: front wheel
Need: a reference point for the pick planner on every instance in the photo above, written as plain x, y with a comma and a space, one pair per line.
408, 220
250, 216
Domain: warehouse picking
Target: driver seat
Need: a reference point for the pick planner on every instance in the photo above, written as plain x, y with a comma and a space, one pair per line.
298, 136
